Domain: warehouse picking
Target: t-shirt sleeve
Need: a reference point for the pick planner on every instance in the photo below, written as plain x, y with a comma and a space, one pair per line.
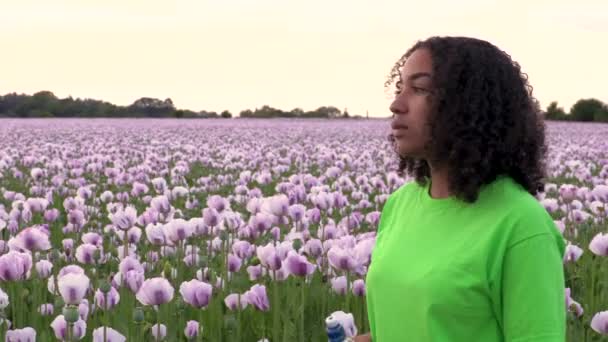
533, 291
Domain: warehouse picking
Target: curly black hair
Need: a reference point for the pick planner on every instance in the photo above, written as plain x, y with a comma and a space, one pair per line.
485, 121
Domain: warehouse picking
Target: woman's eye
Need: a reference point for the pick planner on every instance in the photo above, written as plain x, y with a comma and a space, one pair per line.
412, 89
419, 90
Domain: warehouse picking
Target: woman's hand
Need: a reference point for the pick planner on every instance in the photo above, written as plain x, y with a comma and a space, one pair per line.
363, 338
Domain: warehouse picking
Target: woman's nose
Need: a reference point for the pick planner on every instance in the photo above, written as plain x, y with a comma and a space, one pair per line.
398, 107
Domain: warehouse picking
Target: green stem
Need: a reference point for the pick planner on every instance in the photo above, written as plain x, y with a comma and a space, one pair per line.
158, 324
303, 289
275, 307
69, 332
14, 300
238, 320
105, 316
220, 316
2, 330
347, 306
200, 323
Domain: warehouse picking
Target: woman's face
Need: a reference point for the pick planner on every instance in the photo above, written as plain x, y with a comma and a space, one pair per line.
411, 108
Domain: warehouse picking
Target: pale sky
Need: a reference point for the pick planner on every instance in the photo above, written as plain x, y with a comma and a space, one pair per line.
243, 54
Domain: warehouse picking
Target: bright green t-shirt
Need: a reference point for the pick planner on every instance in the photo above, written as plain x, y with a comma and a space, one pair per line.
443, 270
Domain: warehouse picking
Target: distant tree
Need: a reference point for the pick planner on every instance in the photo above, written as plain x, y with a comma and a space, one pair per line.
328, 111
44, 101
554, 112
587, 110
179, 113
247, 113
602, 115
226, 114
345, 115
297, 112
153, 107
190, 114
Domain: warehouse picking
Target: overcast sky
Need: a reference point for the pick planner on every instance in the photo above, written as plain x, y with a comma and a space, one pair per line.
240, 54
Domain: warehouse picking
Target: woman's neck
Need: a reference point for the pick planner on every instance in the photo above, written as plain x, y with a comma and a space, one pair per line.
439, 183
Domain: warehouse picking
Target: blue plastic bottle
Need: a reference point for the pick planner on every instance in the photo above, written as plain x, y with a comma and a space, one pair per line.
335, 331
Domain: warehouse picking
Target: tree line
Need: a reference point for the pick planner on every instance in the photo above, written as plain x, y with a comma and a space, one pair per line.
586, 110
46, 104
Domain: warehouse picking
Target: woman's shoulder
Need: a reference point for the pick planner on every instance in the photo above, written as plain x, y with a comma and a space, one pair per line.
522, 211
403, 193
506, 193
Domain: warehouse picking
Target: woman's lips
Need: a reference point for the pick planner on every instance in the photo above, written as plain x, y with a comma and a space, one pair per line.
399, 132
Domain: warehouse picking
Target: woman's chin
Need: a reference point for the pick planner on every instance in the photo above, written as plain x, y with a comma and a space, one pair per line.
408, 153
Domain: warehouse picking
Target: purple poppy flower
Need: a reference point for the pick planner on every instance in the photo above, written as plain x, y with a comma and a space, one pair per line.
268, 257
31, 239
232, 301
4, 301
44, 268
179, 230
124, 218
338, 284
111, 335
572, 253
83, 309
342, 259
73, 287
296, 212
196, 293
161, 204
211, 217
134, 280
599, 244
26, 334
15, 266
157, 234
51, 215
359, 288
70, 269
218, 203
85, 253
260, 222
76, 218
572, 305
599, 322
243, 249
314, 248
567, 192
107, 301
298, 265
159, 332
313, 215
192, 330
46, 309
129, 264
277, 205
60, 328
234, 263
155, 291
257, 297
255, 272
92, 238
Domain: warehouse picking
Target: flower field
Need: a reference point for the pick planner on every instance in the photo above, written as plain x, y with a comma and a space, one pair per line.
233, 230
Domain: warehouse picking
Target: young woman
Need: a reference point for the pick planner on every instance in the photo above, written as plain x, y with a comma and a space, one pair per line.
465, 252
